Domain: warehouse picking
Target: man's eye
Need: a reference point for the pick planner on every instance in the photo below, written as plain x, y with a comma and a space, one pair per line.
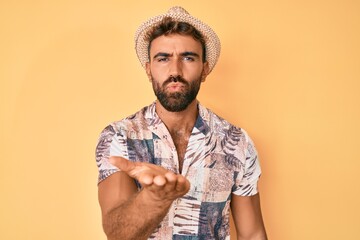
189, 59
163, 59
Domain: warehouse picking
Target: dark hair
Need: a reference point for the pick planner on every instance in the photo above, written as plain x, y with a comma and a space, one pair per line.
168, 26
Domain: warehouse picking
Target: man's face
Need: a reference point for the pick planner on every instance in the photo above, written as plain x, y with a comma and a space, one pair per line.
176, 70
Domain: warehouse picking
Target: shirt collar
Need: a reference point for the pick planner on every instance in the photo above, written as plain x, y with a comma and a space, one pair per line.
202, 122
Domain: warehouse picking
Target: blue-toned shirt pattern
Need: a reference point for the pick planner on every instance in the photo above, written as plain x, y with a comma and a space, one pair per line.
220, 160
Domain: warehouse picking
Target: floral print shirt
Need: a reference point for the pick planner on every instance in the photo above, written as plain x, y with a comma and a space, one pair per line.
220, 160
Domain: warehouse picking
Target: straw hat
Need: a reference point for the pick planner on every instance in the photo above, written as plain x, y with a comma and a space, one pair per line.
212, 42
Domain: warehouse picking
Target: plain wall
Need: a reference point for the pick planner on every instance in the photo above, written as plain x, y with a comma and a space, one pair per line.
288, 74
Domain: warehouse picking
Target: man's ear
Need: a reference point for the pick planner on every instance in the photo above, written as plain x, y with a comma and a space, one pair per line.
205, 71
148, 71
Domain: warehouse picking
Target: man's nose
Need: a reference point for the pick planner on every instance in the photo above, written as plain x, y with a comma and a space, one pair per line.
175, 67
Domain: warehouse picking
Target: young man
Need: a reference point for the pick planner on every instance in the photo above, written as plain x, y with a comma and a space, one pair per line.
175, 169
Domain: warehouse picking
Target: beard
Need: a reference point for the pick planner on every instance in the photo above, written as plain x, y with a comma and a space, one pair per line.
176, 101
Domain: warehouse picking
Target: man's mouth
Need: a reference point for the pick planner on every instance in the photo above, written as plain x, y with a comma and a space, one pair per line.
175, 86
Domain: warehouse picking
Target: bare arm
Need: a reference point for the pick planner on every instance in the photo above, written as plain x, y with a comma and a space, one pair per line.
129, 214
247, 217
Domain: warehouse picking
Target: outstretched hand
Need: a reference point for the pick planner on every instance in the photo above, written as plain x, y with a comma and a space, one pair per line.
161, 183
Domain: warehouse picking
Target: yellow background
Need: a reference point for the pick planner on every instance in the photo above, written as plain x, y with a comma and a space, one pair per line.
289, 74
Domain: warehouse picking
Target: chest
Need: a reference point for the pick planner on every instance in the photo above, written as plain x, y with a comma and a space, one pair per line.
203, 161
181, 142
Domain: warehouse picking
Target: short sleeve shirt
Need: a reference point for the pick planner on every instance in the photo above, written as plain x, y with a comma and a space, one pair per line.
220, 160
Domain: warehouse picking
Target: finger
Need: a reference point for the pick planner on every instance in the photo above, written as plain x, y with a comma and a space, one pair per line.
158, 184
155, 184
122, 163
170, 181
182, 184
146, 179
159, 181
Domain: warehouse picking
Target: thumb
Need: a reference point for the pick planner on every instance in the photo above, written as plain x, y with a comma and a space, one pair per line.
122, 163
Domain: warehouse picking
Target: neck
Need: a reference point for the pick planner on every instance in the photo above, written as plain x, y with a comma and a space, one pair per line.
183, 121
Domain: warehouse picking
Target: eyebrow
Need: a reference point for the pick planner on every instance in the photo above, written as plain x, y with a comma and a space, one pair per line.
183, 54
161, 54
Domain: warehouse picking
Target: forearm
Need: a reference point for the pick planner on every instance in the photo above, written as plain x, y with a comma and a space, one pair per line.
137, 218
257, 232
259, 236
128, 214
